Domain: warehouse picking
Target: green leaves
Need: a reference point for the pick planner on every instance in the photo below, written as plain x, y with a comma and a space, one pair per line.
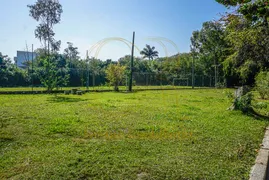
249, 48
48, 13
149, 52
262, 84
46, 10
243, 103
232, 2
52, 72
208, 46
255, 11
115, 74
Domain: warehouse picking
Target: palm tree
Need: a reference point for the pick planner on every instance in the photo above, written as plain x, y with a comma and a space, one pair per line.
148, 52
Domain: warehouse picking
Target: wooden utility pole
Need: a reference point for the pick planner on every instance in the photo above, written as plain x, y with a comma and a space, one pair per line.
87, 61
192, 73
132, 65
32, 68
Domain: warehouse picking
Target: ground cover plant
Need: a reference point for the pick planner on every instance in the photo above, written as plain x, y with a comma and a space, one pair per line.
177, 134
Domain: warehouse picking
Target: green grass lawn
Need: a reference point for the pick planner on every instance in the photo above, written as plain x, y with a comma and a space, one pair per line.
177, 134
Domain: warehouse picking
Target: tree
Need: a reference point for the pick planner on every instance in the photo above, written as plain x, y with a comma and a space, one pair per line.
208, 47
71, 54
10, 75
149, 52
195, 48
248, 36
95, 68
255, 11
115, 75
5, 68
262, 84
52, 71
48, 12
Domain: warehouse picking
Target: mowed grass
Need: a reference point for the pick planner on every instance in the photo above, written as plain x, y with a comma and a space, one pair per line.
177, 134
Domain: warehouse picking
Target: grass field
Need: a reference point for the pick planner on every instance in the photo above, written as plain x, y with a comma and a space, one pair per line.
177, 134
91, 88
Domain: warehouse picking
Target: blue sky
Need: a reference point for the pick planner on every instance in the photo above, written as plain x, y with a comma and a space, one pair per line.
85, 22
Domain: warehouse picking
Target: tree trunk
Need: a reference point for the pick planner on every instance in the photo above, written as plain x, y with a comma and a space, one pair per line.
116, 87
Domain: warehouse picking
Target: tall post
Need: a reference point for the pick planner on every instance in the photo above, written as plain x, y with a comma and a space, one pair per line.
87, 61
132, 65
216, 81
192, 73
32, 68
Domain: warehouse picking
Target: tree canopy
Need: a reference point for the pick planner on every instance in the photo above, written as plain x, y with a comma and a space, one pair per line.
149, 52
48, 13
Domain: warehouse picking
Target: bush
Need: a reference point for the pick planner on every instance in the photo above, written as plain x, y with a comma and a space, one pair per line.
262, 84
243, 103
79, 92
115, 75
220, 85
66, 92
260, 105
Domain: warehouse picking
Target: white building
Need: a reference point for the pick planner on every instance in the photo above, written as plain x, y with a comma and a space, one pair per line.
24, 57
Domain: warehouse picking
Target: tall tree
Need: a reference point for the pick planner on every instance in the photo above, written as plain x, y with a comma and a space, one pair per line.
95, 68
149, 52
71, 54
248, 35
256, 11
249, 52
208, 47
48, 13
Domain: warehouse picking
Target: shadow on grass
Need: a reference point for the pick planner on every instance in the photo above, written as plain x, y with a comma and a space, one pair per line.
5, 140
257, 116
60, 99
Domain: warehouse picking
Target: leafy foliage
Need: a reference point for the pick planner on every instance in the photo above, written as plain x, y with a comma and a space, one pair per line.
71, 54
262, 84
243, 103
48, 13
208, 47
255, 11
52, 71
149, 52
249, 49
10, 75
115, 74
247, 34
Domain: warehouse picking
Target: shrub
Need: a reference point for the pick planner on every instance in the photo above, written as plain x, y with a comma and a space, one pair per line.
115, 75
220, 85
260, 105
66, 92
262, 84
243, 103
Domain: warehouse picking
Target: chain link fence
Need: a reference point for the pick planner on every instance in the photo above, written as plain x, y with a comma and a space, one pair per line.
86, 80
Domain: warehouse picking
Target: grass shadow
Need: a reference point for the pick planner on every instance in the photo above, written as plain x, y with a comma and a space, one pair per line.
60, 99
257, 116
5, 140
